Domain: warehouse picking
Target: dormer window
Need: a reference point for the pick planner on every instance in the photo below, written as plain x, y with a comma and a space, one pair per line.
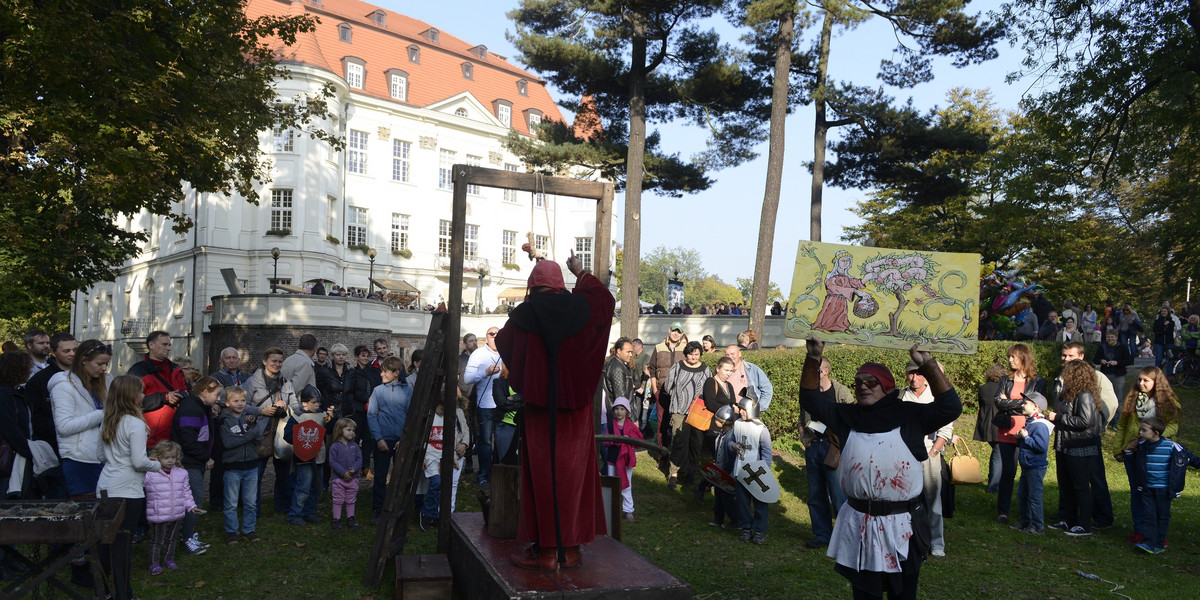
468, 71
533, 117
503, 111
460, 112
356, 72
379, 18
523, 87
345, 33
414, 54
431, 34
398, 84
480, 51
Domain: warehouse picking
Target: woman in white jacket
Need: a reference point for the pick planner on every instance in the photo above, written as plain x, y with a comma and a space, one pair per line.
77, 397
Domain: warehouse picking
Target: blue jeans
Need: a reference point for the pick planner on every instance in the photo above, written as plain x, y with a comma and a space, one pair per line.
825, 495
1029, 496
505, 434
994, 468
1163, 354
196, 483
1129, 340
433, 497
1008, 472
1156, 510
306, 492
1135, 495
241, 485
483, 445
752, 514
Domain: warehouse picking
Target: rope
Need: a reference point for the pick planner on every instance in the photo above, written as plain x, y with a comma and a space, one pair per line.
1113, 591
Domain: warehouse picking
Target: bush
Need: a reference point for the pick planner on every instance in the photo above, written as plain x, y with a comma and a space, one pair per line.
784, 367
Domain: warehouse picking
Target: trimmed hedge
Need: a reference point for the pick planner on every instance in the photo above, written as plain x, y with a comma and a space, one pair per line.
966, 371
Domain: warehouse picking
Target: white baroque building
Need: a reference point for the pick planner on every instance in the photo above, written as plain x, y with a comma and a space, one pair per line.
410, 102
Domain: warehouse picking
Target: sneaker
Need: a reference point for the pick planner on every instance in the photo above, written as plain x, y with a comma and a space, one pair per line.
484, 485
759, 538
156, 569
672, 482
1159, 550
196, 536
231, 538
425, 523
746, 535
1059, 525
1002, 519
629, 517
1136, 538
193, 546
814, 544
170, 565
337, 525
1033, 530
251, 536
1078, 531
139, 535
938, 552
1019, 527
1144, 547
351, 523
714, 524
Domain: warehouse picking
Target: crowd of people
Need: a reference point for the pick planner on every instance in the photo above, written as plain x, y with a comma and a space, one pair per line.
330, 418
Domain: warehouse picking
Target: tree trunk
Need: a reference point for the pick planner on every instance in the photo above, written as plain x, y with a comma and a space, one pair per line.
770, 207
894, 318
633, 180
820, 129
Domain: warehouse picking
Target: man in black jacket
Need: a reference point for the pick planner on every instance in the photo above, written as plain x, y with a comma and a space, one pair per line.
619, 380
62, 356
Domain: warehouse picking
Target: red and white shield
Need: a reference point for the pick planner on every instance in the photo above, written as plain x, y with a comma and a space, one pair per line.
718, 477
307, 437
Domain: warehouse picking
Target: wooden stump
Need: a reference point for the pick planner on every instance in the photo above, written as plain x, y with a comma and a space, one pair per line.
506, 505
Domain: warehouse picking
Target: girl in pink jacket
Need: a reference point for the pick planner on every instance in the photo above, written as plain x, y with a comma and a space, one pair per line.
168, 500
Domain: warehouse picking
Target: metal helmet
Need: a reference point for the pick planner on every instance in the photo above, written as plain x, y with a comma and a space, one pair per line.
750, 405
724, 415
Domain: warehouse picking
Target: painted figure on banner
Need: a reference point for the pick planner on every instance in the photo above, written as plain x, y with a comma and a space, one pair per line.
885, 298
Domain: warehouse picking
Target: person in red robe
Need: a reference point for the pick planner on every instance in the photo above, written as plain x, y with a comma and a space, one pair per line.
554, 345
839, 289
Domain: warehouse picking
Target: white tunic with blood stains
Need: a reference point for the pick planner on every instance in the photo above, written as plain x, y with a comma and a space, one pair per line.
875, 466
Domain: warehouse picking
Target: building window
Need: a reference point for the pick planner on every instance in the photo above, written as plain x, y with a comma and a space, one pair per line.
446, 168
281, 209
583, 249
354, 75
414, 54
510, 195
431, 34
400, 160
468, 71
539, 200
480, 51
178, 297
357, 159
534, 120
504, 113
471, 239
460, 112
444, 238
345, 34
331, 218
280, 281
380, 18
523, 87
474, 161
399, 232
399, 87
356, 229
284, 139
508, 250
542, 244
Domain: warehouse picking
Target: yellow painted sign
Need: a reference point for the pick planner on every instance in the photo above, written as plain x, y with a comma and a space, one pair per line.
885, 298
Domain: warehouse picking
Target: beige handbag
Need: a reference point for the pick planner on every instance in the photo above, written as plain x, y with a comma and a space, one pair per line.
964, 468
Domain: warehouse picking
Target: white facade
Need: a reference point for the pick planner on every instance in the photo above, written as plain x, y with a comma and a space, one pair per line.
393, 174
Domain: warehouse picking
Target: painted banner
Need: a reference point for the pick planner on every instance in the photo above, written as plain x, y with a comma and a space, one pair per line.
885, 298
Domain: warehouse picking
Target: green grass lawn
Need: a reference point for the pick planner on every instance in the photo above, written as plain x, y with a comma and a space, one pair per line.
984, 559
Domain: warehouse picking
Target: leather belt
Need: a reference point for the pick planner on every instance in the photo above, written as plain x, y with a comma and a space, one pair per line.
882, 508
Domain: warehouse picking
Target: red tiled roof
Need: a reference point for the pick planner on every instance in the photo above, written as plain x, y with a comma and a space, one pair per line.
437, 77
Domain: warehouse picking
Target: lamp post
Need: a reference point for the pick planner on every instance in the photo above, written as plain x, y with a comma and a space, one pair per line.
275, 277
371, 278
1189, 291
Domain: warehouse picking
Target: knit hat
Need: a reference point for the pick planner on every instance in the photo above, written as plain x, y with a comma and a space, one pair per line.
880, 372
1036, 398
547, 273
622, 401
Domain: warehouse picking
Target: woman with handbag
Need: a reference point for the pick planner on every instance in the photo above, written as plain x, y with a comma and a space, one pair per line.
985, 427
683, 384
267, 390
697, 435
1022, 378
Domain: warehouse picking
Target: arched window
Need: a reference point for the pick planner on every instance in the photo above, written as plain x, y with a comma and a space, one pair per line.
468, 71
345, 34
414, 54
461, 112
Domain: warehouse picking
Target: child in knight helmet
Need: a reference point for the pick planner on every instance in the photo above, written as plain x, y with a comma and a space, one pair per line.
750, 440
725, 503
345, 463
1033, 442
168, 500
1159, 466
619, 456
308, 451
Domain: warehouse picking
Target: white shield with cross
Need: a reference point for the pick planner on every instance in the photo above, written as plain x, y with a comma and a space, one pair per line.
756, 476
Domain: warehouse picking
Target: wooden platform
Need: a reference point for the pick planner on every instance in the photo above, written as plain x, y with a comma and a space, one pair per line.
610, 569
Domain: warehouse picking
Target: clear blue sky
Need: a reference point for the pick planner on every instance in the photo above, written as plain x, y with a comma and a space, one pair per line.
722, 222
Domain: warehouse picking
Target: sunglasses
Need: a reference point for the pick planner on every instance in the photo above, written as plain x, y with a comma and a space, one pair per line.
870, 384
492, 333
101, 349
